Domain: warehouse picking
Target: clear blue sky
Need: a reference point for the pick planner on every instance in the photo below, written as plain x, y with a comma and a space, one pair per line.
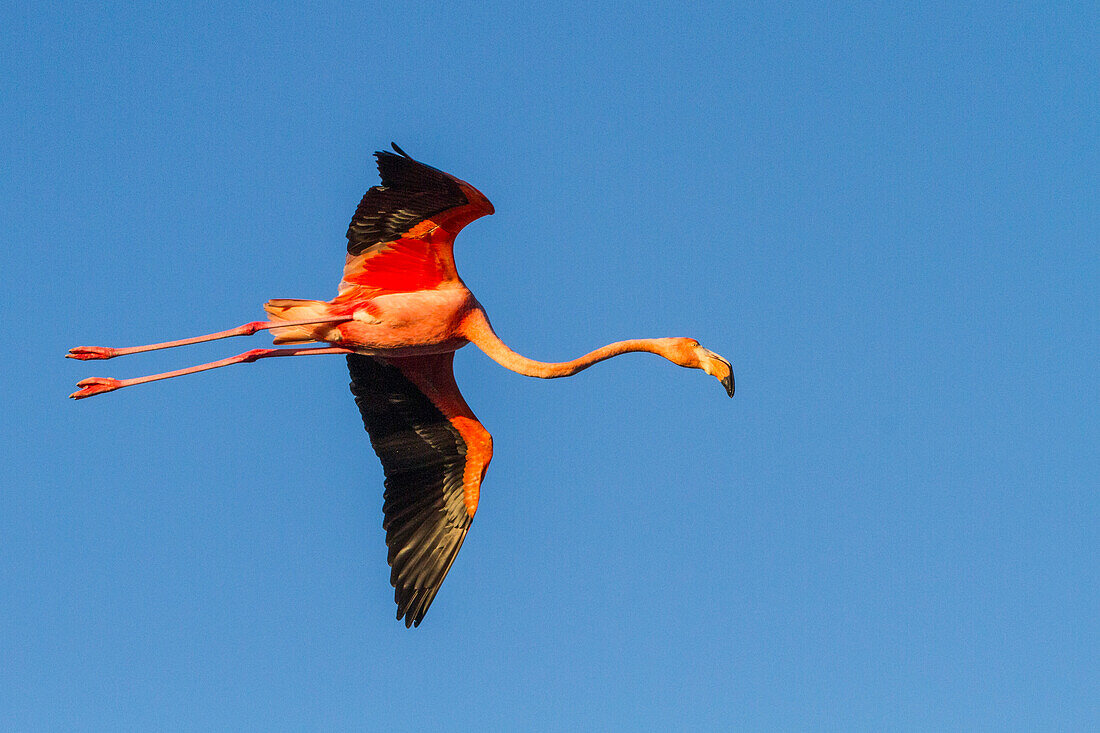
886, 218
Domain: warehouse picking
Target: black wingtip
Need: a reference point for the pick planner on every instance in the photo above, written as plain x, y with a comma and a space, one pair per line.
380, 154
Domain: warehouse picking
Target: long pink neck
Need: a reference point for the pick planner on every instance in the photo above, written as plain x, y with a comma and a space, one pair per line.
481, 334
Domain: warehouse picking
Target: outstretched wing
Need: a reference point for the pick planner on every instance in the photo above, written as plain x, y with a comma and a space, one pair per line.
402, 235
434, 453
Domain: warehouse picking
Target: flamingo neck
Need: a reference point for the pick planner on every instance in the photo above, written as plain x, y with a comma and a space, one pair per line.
480, 333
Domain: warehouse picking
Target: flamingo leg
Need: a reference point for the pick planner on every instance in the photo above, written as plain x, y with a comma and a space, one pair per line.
100, 385
107, 352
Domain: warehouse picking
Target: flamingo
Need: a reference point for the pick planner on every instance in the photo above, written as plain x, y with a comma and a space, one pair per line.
400, 314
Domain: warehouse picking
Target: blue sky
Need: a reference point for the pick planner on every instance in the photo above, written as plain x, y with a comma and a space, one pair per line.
885, 217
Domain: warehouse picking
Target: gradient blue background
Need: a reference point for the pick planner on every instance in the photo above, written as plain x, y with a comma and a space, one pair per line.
886, 218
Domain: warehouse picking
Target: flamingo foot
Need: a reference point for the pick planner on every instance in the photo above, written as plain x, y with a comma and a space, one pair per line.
95, 385
84, 353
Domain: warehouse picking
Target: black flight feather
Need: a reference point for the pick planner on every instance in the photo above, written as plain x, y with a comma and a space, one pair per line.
424, 459
410, 193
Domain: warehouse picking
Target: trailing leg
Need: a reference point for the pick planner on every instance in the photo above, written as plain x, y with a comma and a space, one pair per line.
100, 385
107, 352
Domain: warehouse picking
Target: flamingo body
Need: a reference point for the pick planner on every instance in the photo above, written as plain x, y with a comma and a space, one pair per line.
400, 314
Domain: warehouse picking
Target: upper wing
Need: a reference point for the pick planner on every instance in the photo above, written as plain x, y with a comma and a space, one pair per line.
434, 453
402, 235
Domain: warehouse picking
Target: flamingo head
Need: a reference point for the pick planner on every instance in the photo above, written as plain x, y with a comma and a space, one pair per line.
688, 353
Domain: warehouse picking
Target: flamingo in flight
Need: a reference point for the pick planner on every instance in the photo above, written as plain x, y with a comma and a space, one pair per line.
401, 313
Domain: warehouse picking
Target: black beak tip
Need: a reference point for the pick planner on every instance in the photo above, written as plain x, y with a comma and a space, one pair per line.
728, 384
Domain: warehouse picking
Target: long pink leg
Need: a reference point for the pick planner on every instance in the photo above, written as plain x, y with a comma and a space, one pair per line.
100, 385
107, 352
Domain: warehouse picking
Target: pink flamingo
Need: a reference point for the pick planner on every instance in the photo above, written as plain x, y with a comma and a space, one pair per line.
401, 313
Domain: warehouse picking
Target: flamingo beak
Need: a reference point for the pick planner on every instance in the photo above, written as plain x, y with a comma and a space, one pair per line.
727, 381
714, 370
